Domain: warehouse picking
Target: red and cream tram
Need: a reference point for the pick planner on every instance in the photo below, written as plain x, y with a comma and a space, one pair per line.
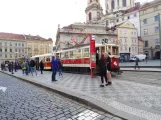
77, 59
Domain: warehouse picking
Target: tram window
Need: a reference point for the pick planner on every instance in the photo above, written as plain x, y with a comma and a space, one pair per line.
71, 54
115, 50
86, 52
66, 55
78, 53
47, 59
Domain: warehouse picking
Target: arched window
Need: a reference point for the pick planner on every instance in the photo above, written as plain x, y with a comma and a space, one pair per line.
113, 4
124, 3
90, 16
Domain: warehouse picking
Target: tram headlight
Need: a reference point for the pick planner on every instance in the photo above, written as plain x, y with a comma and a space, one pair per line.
115, 63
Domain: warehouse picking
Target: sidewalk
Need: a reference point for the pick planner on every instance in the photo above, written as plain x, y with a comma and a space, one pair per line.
132, 101
141, 69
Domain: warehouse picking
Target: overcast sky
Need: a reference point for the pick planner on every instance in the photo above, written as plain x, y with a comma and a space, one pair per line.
40, 17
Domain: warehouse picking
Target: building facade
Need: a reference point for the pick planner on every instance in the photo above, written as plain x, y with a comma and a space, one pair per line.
78, 33
117, 5
14, 46
140, 46
150, 28
128, 37
37, 45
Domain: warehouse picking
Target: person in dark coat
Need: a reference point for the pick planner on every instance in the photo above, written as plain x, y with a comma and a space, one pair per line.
137, 63
12, 67
41, 66
103, 73
108, 65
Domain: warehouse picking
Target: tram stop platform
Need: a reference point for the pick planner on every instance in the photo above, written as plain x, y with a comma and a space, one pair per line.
125, 99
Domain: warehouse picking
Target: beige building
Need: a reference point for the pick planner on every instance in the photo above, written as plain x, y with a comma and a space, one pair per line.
75, 33
140, 46
128, 37
150, 29
14, 46
37, 45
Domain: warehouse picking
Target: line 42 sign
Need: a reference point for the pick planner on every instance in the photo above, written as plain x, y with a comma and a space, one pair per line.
103, 41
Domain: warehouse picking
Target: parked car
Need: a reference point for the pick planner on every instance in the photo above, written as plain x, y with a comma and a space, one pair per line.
132, 59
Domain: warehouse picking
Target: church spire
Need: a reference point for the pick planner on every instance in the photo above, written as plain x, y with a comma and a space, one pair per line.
93, 11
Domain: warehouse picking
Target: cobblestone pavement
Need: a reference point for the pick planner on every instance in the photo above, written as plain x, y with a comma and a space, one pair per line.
24, 101
133, 93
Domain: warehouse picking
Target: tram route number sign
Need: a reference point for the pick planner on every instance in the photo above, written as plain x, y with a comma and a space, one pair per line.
103, 41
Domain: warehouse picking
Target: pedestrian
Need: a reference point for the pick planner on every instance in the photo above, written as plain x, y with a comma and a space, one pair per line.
54, 68
137, 63
12, 67
27, 67
23, 67
15, 66
108, 65
41, 66
146, 59
60, 66
33, 67
102, 68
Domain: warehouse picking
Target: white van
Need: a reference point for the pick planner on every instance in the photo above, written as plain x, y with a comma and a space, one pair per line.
141, 57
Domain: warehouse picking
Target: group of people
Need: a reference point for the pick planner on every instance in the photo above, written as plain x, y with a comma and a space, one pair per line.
105, 69
11, 66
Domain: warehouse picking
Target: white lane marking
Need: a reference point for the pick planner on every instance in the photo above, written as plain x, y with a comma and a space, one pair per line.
3, 89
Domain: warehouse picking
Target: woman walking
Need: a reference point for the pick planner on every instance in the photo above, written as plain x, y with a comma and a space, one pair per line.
103, 73
108, 64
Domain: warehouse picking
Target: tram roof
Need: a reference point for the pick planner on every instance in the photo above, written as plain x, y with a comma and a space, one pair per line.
87, 46
48, 54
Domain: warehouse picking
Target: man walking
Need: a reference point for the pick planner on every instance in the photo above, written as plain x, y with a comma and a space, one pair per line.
54, 68
137, 63
41, 66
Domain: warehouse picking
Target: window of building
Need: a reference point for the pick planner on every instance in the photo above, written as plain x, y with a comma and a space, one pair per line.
146, 43
157, 41
36, 44
10, 50
5, 44
90, 16
123, 19
135, 15
145, 11
23, 51
19, 44
117, 20
0, 43
30, 44
107, 23
0, 55
10, 55
156, 18
113, 4
128, 17
156, 29
5, 55
135, 48
145, 21
5, 50
145, 31
19, 50
155, 8
10, 44
22, 44
124, 3
15, 50
0, 49
15, 44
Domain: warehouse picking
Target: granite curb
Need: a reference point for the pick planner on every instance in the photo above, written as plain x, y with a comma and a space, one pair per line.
79, 97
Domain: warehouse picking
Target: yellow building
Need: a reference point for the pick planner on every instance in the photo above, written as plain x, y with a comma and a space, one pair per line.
128, 37
37, 45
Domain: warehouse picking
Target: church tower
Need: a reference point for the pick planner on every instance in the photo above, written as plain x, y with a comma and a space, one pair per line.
94, 11
116, 5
